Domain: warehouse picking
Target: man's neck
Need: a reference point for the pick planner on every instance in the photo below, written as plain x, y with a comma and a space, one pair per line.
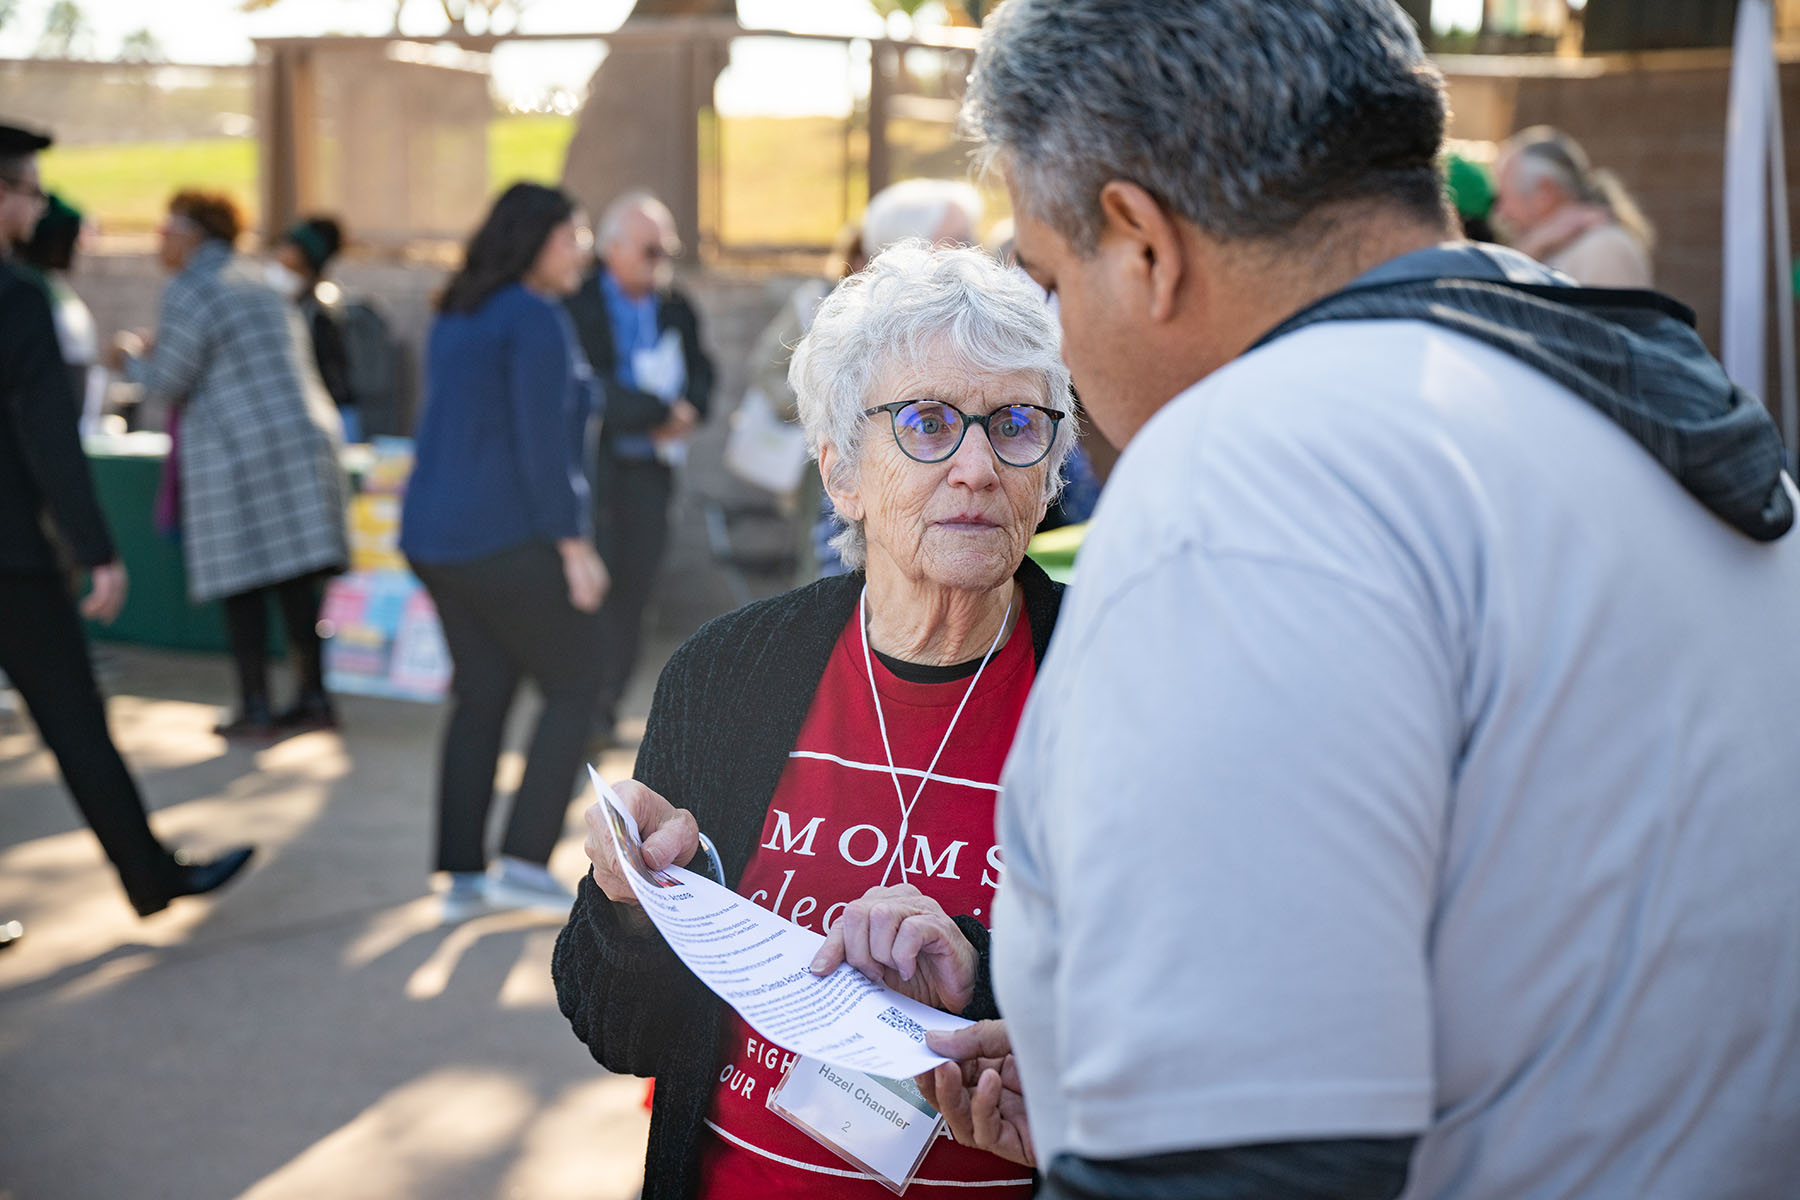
1234, 292
1267, 284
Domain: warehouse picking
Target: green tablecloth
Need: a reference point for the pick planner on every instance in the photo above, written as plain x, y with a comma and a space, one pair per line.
125, 471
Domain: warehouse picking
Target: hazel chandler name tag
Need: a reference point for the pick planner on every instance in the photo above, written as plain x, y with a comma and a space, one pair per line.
881, 1125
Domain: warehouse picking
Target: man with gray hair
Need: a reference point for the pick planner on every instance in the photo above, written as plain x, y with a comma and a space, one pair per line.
641, 334
1573, 217
1407, 801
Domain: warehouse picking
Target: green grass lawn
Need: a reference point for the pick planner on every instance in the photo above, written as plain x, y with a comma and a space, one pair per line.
782, 179
126, 186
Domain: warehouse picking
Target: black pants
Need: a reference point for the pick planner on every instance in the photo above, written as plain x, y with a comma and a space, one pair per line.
247, 624
631, 531
507, 617
43, 650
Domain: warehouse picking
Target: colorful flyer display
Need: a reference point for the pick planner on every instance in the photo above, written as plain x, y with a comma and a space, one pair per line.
383, 637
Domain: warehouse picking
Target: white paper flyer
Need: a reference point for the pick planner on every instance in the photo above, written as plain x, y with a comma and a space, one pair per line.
759, 964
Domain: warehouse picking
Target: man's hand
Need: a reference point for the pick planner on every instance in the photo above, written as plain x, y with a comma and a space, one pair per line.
671, 835
682, 420
979, 1094
106, 595
900, 937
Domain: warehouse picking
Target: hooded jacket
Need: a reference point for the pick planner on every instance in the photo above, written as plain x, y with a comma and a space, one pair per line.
1631, 354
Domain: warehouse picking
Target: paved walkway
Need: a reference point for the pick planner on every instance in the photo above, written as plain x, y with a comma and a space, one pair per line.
313, 1031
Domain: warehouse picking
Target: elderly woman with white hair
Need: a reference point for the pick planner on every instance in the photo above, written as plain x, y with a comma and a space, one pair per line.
841, 745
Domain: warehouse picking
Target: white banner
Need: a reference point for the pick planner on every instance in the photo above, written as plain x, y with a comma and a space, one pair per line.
1754, 194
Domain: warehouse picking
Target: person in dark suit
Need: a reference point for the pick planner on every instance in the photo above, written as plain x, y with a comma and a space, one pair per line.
43, 649
642, 337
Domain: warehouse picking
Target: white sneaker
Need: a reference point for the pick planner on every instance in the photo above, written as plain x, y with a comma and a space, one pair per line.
515, 883
466, 896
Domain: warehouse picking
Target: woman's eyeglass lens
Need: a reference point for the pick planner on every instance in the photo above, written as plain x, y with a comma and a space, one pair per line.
930, 431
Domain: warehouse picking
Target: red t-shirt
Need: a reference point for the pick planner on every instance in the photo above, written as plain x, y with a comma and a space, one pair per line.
828, 838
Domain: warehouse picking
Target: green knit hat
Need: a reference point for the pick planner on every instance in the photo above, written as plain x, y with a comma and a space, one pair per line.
1471, 186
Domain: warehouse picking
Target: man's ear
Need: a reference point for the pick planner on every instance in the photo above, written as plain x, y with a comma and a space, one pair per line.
847, 502
1137, 227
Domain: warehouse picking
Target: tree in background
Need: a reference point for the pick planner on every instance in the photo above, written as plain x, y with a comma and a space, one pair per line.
66, 32
142, 46
7, 9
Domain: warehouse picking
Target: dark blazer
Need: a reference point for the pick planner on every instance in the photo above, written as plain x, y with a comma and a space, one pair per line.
42, 466
728, 708
628, 410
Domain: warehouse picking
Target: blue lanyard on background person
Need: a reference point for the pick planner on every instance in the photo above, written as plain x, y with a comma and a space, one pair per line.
906, 808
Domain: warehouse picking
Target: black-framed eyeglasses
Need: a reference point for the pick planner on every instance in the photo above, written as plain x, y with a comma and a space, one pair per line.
930, 431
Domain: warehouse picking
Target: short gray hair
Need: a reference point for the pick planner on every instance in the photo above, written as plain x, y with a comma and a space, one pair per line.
612, 221
1243, 117
915, 305
1544, 152
915, 208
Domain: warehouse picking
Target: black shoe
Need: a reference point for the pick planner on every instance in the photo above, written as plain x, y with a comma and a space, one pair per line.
313, 710
197, 878
255, 723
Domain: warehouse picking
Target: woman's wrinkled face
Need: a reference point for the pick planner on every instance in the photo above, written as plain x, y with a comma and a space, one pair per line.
961, 523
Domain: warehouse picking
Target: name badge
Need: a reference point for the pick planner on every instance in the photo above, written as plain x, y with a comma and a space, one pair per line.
883, 1126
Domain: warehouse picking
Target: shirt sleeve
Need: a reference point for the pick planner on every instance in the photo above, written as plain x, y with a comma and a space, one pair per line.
45, 418
1341, 1169
539, 395
1238, 857
173, 368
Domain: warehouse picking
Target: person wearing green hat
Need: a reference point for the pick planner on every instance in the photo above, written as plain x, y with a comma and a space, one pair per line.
43, 649
51, 251
297, 271
1471, 190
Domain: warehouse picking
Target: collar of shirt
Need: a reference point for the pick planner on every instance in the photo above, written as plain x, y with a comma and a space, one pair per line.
1459, 260
633, 324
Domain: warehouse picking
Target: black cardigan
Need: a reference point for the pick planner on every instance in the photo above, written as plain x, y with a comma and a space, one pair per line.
728, 708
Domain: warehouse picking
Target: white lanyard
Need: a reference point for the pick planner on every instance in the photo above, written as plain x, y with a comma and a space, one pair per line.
906, 808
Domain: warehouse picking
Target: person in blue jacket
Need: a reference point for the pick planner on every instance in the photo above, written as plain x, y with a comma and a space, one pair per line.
498, 526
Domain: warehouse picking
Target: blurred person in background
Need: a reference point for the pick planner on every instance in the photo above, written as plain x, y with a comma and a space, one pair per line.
297, 271
642, 336
1556, 206
51, 251
1470, 186
944, 212
43, 648
255, 443
498, 526
768, 374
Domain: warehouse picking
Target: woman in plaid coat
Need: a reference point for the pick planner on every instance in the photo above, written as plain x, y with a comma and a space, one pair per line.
262, 492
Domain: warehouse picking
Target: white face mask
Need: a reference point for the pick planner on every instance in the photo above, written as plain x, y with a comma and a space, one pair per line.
288, 283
